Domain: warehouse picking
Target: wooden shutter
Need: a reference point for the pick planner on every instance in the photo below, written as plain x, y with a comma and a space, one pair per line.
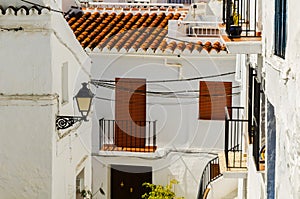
130, 112
214, 96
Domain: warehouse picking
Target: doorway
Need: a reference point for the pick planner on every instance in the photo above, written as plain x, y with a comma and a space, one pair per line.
79, 184
126, 181
130, 112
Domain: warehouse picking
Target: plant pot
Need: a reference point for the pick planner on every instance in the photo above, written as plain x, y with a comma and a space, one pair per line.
235, 31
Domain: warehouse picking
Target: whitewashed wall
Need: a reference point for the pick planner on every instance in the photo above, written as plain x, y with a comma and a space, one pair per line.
186, 167
282, 90
223, 188
178, 125
71, 154
255, 181
34, 162
26, 140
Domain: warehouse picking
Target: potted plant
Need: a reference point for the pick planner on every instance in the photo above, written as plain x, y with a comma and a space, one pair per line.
87, 194
235, 29
160, 191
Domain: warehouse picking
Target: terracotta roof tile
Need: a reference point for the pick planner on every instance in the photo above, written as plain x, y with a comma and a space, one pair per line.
134, 32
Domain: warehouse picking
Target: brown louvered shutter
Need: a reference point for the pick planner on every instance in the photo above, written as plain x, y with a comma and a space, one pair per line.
214, 96
130, 112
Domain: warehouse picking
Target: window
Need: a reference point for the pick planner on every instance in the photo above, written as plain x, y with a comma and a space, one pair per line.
214, 96
64, 83
79, 183
280, 28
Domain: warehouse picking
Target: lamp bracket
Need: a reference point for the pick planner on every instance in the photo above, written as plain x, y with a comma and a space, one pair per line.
64, 122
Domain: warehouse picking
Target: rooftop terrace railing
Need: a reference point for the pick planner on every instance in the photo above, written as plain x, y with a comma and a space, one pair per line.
199, 28
131, 5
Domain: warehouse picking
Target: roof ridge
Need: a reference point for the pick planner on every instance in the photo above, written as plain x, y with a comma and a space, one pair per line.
23, 10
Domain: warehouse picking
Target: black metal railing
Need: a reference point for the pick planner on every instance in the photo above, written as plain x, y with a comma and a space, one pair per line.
127, 135
210, 173
254, 114
234, 127
251, 77
256, 121
241, 13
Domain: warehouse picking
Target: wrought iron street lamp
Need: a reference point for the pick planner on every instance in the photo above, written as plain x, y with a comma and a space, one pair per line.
83, 100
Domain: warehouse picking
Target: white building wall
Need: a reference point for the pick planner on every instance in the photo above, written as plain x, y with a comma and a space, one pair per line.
255, 180
26, 147
35, 161
223, 188
71, 152
178, 127
177, 119
282, 90
186, 167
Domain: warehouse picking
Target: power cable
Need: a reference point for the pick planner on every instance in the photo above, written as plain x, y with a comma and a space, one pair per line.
95, 82
167, 94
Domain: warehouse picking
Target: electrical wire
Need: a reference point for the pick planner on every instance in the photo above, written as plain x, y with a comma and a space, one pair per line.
109, 85
167, 94
95, 82
158, 103
164, 103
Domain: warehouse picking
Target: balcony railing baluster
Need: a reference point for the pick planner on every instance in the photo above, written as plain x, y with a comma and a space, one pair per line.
100, 131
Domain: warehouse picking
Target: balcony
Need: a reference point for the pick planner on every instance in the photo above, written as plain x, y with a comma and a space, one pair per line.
127, 135
241, 19
234, 139
233, 162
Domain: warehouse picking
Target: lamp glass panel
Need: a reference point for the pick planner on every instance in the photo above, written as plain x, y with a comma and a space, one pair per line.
83, 104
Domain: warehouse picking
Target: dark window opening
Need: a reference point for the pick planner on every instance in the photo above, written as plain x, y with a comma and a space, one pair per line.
280, 28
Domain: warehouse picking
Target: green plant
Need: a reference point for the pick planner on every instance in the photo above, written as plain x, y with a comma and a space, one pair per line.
235, 15
161, 192
86, 194
235, 19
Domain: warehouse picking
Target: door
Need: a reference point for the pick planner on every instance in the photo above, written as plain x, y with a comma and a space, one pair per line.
126, 181
130, 112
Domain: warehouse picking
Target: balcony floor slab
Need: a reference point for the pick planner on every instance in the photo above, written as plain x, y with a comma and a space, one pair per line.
112, 147
233, 172
243, 45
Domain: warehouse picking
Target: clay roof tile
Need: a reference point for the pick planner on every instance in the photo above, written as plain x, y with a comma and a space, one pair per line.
132, 31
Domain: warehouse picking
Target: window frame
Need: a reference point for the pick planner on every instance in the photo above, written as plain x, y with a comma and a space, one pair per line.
65, 83
280, 28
